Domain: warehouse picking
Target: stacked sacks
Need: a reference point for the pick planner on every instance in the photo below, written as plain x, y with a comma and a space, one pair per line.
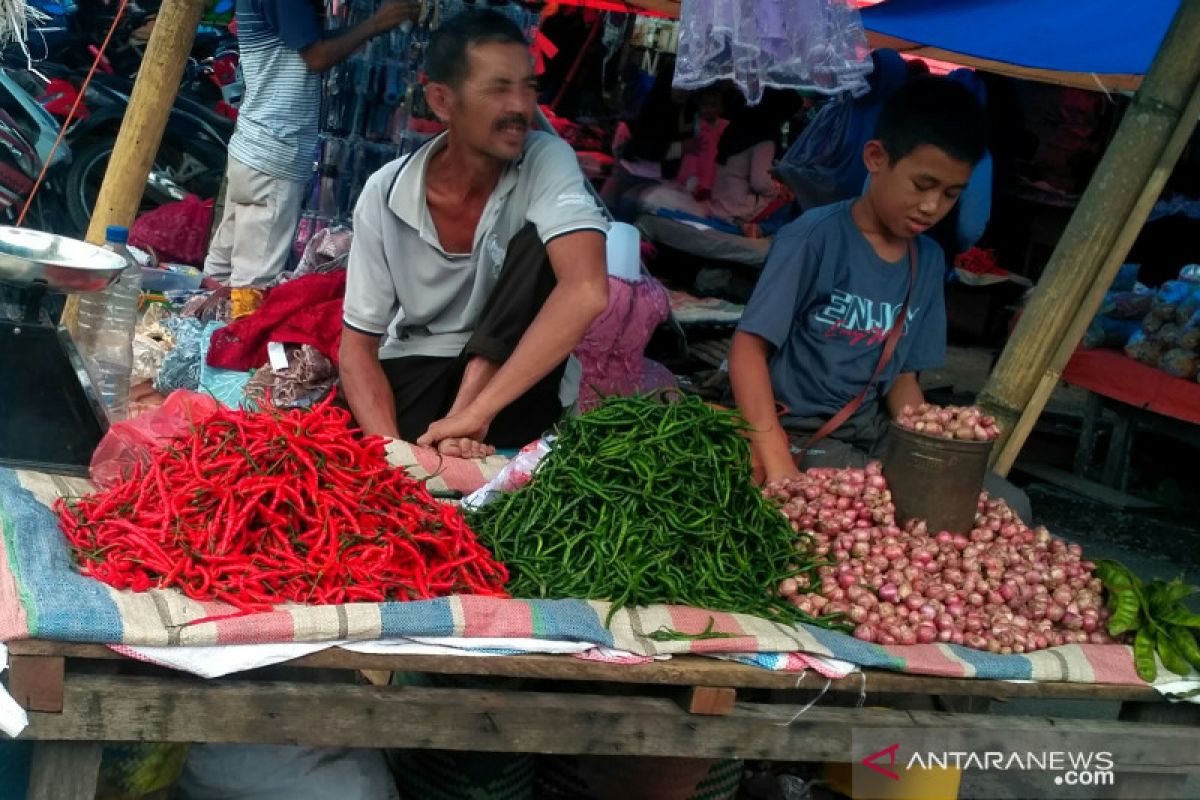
1169, 337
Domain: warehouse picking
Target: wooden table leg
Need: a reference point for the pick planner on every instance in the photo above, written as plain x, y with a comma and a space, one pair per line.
1089, 431
36, 682
1116, 463
65, 770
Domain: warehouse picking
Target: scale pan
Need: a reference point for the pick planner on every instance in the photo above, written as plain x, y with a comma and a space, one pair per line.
64, 265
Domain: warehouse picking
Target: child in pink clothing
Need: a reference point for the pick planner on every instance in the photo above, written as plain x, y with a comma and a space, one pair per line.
698, 168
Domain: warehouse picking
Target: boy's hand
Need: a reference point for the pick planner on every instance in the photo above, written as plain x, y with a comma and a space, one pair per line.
771, 457
764, 474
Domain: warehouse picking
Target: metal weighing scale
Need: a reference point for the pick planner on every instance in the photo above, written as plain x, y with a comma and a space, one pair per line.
51, 416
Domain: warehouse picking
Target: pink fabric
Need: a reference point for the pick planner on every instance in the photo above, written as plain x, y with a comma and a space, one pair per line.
612, 349
700, 155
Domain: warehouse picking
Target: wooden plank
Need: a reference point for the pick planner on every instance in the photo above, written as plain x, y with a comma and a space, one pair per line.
1150, 784
65, 770
112, 708
678, 671
36, 682
1084, 487
1089, 431
1116, 461
713, 701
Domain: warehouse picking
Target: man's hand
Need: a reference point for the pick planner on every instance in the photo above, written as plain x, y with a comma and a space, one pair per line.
322, 55
394, 13
459, 435
366, 385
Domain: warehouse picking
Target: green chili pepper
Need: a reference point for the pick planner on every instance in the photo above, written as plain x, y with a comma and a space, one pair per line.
639, 503
665, 634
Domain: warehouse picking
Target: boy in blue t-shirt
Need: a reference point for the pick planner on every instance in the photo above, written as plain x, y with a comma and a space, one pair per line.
835, 279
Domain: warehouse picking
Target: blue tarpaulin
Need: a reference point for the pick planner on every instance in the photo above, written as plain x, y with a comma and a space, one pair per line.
1074, 38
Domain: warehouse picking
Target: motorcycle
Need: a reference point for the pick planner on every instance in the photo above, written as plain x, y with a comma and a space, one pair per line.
190, 159
27, 134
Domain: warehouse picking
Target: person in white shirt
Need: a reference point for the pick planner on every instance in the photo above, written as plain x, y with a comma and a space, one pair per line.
478, 261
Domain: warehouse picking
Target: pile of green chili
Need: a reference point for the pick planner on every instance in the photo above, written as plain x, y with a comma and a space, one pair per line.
643, 501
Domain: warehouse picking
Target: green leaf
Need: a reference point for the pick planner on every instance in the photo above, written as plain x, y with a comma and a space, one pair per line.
1185, 642
1178, 615
1115, 575
1143, 655
1177, 590
1170, 656
1125, 617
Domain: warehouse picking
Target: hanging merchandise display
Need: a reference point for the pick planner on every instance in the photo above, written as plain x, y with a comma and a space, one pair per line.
373, 107
813, 45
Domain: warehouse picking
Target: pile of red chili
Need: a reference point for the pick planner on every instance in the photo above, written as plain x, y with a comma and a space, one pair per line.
255, 509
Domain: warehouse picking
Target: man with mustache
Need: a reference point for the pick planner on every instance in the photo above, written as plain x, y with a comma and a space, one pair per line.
478, 261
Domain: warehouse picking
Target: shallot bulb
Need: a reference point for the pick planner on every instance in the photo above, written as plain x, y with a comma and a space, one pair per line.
1002, 586
965, 423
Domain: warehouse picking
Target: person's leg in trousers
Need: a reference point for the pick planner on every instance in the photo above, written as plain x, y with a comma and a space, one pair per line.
219, 262
423, 388
525, 282
428, 389
267, 215
827, 453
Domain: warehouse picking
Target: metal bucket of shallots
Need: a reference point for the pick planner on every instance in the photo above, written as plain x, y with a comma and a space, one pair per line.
934, 461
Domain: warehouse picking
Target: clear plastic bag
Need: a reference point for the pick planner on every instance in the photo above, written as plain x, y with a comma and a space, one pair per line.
1180, 363
130, 442
818, 45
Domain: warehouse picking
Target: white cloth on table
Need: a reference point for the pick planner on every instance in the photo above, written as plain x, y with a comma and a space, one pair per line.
13, 718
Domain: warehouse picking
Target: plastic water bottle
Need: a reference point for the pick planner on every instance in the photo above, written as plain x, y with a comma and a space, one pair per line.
105, 329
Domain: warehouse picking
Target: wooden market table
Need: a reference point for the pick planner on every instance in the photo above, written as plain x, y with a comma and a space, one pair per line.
1140, 396
82, 695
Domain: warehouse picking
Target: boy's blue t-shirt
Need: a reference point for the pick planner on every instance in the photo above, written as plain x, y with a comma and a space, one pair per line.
826, 301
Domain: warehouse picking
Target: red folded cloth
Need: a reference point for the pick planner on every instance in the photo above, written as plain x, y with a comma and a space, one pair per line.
305, 310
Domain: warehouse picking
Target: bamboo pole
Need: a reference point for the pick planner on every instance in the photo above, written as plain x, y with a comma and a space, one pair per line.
1110, 214
141, 132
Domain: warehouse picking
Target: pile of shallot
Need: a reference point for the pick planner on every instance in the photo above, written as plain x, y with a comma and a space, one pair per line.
1002, 586
966, 423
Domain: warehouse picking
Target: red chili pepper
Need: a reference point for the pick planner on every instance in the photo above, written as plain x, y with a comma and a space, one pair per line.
257, 509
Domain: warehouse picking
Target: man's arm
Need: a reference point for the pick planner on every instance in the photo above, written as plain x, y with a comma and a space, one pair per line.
365, 384
325, 53
581, 294
751, 382
904, 392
